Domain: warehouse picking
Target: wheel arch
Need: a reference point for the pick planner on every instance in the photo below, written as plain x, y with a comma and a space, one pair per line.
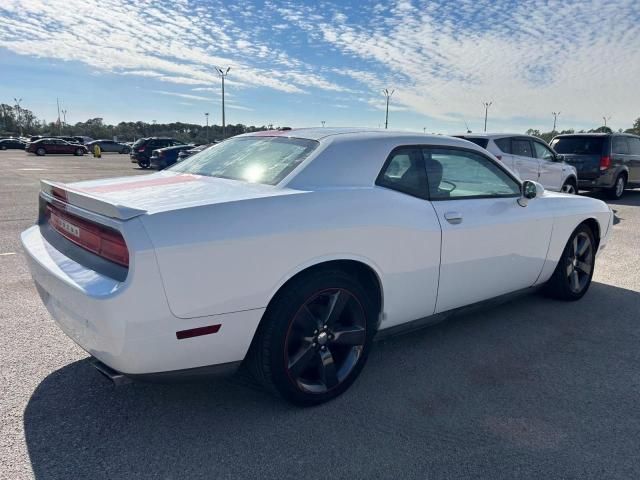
361, 269
594, 226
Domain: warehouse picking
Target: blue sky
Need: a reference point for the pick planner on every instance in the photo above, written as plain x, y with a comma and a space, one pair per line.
299, 63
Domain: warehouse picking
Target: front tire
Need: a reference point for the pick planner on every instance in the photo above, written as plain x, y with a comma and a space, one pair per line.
79, 152
617, 190
41, 152
572, 277
3, 147
570, 187
314, 338
144, 163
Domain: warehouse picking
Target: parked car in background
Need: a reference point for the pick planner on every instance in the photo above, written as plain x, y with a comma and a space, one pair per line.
291, 250
12, 143
109, 146
143, 148
531, 158
608, 161
187, 153
55, 145
165, 157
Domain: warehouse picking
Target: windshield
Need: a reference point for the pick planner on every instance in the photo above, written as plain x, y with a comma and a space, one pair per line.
252, 159
578, 145
481, 142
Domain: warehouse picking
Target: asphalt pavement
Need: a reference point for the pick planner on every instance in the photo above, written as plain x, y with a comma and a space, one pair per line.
530, 388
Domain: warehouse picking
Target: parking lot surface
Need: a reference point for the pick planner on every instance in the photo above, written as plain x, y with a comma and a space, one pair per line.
530, 388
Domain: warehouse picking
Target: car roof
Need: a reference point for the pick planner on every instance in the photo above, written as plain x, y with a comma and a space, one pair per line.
493, 135
319, 133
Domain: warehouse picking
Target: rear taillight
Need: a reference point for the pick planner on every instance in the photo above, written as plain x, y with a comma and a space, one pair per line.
605, 162
140, 150
104, 242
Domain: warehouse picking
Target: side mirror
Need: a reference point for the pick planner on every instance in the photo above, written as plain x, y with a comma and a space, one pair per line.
559, 157
530, 190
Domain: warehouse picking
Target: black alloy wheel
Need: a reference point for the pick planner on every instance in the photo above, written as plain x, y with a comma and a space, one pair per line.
579, 262
325, 340
572, 276
314, 337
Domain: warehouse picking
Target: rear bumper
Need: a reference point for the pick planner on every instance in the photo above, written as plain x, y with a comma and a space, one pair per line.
606, 180
128, 325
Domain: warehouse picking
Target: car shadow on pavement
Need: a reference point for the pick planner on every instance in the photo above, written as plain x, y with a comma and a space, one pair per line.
534, 386
629, 198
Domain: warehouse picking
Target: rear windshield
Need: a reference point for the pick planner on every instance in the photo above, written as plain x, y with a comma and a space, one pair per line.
139, 142
578, 145
481, 142
252, 159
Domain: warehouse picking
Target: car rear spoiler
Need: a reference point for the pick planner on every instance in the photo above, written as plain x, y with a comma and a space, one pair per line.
86, 200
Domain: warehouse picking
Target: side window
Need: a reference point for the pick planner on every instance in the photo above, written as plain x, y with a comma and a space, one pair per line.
620, 146
543, 152
634, 145
461, 174
521, 147
504, 144
404, 171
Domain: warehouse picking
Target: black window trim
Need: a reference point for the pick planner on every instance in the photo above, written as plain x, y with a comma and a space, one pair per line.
420, 147
531, 147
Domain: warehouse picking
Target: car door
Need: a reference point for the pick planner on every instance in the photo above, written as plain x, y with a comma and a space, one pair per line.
53, 146
634, 167
524, 162
551, 172
620, 153
491, 245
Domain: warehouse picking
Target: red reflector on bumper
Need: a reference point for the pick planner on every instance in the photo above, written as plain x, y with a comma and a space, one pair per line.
196, 332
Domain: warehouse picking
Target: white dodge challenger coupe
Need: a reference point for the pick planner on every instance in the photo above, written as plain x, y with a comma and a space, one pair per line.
291, 250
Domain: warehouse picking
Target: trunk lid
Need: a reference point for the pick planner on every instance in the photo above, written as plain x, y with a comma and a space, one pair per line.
128, 197
587, 166
584, 152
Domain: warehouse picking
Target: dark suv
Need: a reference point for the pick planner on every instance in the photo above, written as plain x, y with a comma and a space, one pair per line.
142, 149
609, 161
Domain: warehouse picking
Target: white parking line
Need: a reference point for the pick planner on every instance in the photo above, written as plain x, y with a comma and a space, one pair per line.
32, 169
7, 254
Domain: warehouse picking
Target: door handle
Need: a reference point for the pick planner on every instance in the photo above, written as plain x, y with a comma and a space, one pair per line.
453, 217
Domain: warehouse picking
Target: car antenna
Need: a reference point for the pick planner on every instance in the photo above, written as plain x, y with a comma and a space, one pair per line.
467, 126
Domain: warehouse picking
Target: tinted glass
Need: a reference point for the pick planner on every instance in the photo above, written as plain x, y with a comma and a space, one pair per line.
405, 172
634, 145
481, 142
504, 144
578, 145
252, 159
461, 174
521, 147
619, 145
543, 152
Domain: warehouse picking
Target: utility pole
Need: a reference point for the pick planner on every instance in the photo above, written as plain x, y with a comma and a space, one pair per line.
59, 124
486, 113
18, 100
555, 119
223, 74
388, 95
206, 115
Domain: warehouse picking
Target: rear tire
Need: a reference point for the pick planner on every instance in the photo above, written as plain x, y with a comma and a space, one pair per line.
144, 163
572, 277
41, 152
617, 190
3, 147
314, 337
79, 152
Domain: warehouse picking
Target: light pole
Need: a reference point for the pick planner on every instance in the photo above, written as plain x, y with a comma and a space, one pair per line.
605, 120
424, 129
59, 124
388, 95
486, 113
223, 74
206, 116
18, 100
555, 119
323, 122
64, 117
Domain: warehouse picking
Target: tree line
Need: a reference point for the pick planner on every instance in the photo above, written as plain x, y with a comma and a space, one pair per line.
15, 121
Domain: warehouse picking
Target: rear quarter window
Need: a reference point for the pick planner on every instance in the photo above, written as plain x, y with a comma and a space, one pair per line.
578, 145
504, 144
